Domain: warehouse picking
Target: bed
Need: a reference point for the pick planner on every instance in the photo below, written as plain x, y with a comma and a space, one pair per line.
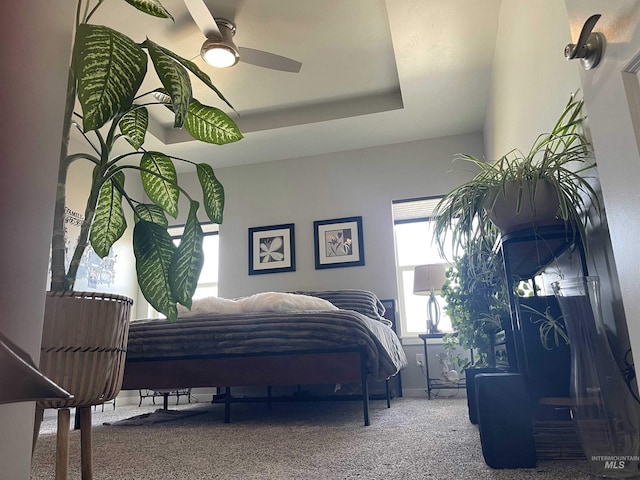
332, 337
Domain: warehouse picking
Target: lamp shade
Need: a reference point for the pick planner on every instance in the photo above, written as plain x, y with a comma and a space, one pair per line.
427, 278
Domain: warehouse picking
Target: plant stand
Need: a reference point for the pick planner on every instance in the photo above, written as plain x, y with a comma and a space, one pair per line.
83, 350
542, 387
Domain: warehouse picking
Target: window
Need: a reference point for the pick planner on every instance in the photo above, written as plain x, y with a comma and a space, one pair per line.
413, 232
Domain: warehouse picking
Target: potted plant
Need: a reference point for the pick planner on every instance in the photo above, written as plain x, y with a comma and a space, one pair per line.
82, 350
106, 72
477, 305
508, 193
476, 299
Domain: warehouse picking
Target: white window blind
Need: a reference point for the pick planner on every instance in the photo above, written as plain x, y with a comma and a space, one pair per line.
415, 209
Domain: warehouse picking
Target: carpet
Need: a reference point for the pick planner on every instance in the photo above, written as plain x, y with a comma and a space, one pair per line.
415, 439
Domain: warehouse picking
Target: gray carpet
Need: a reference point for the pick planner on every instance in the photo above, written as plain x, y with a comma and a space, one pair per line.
415, 439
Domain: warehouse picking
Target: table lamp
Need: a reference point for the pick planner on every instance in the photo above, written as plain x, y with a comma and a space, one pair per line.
428, 280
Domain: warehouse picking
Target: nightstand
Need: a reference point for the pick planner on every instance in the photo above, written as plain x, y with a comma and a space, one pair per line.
437, 383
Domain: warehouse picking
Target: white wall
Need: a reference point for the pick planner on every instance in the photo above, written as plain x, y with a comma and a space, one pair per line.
36, 39
356, 183
531, 78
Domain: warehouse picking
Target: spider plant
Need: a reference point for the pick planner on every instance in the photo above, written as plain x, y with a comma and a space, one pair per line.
549, 327
558, 159
106, 71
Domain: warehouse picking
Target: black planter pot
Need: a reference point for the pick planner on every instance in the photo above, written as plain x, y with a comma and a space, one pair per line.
470, 374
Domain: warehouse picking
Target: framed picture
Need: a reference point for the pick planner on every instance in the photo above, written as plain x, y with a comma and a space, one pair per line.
272, 249
338, 242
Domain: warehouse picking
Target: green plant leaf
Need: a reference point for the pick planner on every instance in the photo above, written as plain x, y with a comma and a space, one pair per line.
133, 125
175, 80
188, 260
212, 192
151, 213
151, 7
193, 68
109, 68
160, 181
211, 125
109, 222
154, 250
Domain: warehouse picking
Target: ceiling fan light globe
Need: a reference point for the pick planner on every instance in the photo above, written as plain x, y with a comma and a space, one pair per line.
218, 54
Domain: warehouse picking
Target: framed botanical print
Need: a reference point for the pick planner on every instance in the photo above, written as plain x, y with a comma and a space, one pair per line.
272, 249
338, 242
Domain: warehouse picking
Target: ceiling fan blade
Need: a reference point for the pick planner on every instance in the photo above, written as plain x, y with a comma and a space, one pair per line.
203, 18
268, 60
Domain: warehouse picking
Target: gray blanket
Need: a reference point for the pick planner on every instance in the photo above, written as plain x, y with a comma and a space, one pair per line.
250, 333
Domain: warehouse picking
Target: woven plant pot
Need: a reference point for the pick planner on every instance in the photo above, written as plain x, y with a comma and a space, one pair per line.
84, 342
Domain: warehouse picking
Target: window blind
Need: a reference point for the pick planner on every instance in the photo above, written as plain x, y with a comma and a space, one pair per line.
414, 209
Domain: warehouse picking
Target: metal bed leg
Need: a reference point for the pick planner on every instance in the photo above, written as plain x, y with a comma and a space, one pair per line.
365, 401
388, 392
227, 404
365, 389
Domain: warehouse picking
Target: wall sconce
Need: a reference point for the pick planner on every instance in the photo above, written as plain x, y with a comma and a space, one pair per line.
428, 280
590, 46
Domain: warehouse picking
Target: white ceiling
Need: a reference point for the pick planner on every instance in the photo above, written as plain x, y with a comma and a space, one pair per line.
374, 72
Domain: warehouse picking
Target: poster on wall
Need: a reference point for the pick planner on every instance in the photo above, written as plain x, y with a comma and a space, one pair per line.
94, 273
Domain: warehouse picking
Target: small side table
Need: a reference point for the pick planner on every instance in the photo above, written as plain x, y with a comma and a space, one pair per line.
436, 383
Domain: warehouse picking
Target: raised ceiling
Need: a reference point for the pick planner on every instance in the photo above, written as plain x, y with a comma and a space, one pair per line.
373, 73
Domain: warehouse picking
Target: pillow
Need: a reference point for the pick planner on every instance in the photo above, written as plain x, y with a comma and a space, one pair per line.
283, 302
362, 301
216, 305
260, 302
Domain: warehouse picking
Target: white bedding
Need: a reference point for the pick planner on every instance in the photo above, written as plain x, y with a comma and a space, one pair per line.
260, 302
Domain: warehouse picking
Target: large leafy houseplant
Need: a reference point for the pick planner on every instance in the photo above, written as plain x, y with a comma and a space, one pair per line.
106, 73
556, 161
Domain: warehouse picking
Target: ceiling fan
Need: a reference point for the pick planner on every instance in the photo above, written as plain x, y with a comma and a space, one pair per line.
219, 50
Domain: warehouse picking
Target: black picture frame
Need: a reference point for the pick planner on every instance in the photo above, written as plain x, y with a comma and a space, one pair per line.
338, 242
272, 249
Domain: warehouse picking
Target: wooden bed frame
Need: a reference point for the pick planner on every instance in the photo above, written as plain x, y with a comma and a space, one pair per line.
260, 369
